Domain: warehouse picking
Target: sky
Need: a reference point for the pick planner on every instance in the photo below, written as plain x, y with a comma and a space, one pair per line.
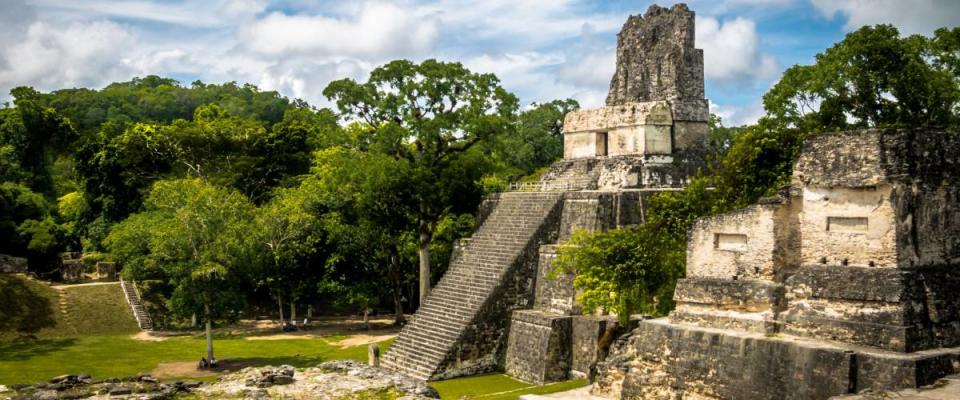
540, 49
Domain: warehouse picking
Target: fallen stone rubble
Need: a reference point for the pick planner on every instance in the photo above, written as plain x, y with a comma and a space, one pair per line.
330, 380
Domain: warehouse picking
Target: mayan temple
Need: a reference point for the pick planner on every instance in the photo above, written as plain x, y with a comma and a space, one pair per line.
845, 281
495, 309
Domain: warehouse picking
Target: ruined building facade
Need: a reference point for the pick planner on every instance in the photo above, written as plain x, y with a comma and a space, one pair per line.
846, 281
495, 309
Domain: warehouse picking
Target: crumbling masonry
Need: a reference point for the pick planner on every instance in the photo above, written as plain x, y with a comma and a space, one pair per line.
846, 281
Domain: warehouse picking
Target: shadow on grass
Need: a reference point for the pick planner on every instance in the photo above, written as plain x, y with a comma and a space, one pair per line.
25, 349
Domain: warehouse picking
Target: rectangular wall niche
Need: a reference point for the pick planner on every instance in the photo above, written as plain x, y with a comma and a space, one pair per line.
847, 224
730, 241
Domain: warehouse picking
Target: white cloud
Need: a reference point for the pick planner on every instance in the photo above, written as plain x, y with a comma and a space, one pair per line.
376, 30
590, 63
80, 54
911, 17
204, 14
532, 75
734, 115
731, 50
306, 80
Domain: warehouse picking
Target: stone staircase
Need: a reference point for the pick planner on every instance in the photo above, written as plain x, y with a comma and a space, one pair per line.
461, 327
139, 311
575, 174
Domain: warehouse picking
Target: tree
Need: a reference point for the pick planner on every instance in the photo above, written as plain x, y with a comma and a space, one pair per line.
429, 115
196, 236
366, 197
872, 78
537, 140
287, 234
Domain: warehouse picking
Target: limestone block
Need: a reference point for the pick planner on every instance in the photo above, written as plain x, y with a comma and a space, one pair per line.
554, 294
746, 244
618, 116
660, 360
587, 331
538, 347
848, 226
11, 264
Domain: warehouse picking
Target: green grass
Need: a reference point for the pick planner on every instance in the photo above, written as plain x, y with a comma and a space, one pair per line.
96, 310
91, 310
497, 387
117, 356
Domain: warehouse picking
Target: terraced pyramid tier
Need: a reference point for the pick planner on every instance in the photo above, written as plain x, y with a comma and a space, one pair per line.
461, 328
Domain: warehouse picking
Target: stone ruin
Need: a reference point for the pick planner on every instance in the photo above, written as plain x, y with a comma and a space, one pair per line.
12, 265
846, 281
72, 267
652, 131
495, 309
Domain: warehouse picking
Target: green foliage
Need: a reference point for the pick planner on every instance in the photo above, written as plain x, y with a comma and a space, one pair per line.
195, 235
429, 117
537, 139
873, 78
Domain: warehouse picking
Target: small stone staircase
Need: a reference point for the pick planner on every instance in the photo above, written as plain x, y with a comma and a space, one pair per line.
461, 327
139, 311
575, 174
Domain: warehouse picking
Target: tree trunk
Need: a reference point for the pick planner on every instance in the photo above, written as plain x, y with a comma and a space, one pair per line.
280, 306
206, 318
366, 318
309, 311
193, 320
396, 280
423, 244
293, 312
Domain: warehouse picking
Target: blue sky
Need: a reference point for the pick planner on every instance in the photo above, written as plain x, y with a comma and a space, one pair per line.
541, 50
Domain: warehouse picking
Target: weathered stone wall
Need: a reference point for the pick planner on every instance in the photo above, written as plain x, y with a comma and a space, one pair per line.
599, 211
660, 360
628, 129
920, 167
555, 292
736, 245
656, 58
10, 264
539, 347
586, 352
848, 226
627, 172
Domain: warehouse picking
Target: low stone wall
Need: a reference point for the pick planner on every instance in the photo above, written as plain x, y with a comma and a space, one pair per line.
12, 265
660, 360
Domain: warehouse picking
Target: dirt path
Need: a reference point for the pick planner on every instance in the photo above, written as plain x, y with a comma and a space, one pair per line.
69, 285
188, 369
363, 339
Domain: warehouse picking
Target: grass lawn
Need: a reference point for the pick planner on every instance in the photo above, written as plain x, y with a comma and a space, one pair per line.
118, 356
497, 387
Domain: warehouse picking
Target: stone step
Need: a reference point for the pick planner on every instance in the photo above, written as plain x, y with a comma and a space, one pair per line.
470, 282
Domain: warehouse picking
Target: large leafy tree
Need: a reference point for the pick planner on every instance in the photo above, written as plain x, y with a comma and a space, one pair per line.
872, 78
287, 235
366, 197
196, 236
537, 140
429, 115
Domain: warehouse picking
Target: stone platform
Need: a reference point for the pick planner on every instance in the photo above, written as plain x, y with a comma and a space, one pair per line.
662, 360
